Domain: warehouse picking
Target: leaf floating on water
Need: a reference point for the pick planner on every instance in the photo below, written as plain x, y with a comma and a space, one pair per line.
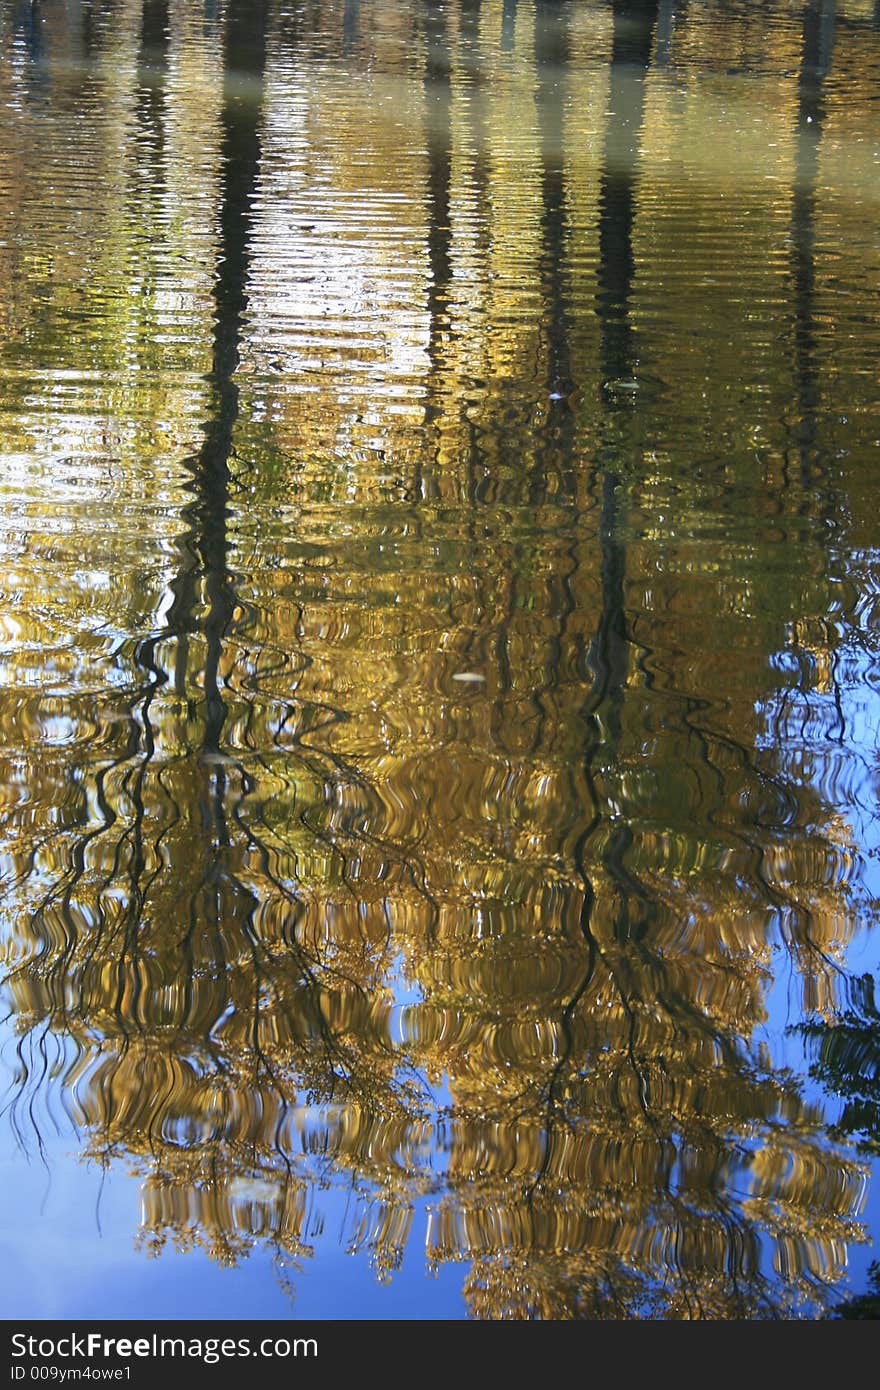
469, 676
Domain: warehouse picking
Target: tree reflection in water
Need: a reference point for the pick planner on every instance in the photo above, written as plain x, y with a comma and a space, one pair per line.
580, 865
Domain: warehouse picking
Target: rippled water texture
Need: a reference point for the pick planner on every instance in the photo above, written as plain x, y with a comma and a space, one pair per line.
439, 637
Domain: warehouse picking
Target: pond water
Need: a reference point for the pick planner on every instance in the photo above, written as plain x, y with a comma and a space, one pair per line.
439, 658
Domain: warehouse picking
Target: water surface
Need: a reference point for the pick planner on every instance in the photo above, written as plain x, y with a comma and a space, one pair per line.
439, 635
